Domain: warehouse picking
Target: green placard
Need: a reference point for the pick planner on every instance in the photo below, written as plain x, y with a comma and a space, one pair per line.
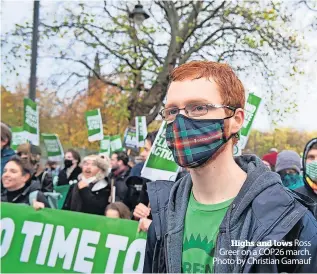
57, 241
31, 121
94, 125
105, 145
53, 147
160, 164
18, 137
63, 190
251, 110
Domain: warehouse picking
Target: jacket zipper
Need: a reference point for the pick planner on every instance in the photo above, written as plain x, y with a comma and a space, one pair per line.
165, 248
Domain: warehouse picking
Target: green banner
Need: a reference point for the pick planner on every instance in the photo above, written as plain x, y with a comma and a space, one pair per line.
63, 190
94, 125
19, 137
130, 140
53, 147
141, 130
251, 110
57, 241
105, 145
160, 164
116, 143
31, 121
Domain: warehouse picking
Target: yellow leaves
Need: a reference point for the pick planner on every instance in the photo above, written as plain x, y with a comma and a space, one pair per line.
282, 139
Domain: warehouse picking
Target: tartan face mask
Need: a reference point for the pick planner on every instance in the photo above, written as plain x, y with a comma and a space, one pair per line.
194, 141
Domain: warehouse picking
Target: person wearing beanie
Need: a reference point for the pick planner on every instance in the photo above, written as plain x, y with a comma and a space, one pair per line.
269, 159
288, 166
32, 154
91, 193
310, 171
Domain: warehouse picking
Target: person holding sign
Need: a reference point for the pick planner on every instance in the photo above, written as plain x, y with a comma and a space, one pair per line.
18, 184
202, 222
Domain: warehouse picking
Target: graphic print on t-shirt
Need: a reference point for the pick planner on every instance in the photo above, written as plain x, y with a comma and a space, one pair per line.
200, 234
198, 245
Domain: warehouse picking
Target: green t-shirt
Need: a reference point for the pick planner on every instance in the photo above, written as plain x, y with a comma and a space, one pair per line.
201, 229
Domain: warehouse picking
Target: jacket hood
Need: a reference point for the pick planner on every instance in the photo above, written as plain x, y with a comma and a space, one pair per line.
7, 151
258, 179
306, 150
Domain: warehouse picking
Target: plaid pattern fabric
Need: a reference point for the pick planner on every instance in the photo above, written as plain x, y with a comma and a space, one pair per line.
192, 141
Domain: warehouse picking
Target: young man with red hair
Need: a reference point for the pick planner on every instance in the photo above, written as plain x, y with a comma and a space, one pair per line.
213, 219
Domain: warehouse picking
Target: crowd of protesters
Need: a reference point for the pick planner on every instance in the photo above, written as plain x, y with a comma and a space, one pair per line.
94, 180
227, 198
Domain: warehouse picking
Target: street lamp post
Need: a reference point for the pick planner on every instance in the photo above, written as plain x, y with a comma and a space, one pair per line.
32, 88
138, 14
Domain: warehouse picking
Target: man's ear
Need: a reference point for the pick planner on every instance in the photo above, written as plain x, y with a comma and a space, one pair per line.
237, 121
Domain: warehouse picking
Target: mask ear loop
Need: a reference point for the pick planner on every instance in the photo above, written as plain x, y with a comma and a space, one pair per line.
236, 135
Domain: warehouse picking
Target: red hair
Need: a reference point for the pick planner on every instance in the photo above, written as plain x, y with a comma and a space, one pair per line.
231, 89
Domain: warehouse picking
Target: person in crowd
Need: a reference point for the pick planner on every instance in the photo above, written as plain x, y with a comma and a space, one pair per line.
150, 138
223, 199
288, 166
309, 161
270, 158
52, 168
18, 184
91, 193
32, 154
118, 210
120, 170
6, 151
69, 175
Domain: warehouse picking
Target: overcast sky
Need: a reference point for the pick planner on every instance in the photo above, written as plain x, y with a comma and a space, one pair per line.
306, 91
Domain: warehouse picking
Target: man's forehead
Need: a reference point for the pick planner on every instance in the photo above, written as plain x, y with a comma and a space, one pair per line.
313, 151
193, 91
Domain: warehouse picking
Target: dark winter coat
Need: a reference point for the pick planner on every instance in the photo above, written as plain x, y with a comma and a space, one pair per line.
62, 176
21, 196
92, 199
45, 181
119, 183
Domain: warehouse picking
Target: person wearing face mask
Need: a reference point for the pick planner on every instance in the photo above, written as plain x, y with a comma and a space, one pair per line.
224, 202
288, 166
310, 171
17, 180
69, 175
32, 154
91, 193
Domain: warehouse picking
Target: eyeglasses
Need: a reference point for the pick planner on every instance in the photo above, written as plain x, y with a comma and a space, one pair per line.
192, 110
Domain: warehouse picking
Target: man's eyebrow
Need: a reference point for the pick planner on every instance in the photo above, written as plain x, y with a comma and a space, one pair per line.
188, 102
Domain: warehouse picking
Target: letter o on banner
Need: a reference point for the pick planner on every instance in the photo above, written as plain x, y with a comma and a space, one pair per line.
137, 246
8, 226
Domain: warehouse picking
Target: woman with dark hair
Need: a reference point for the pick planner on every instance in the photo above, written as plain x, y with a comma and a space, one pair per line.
18, 184
69, 175
118, 210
